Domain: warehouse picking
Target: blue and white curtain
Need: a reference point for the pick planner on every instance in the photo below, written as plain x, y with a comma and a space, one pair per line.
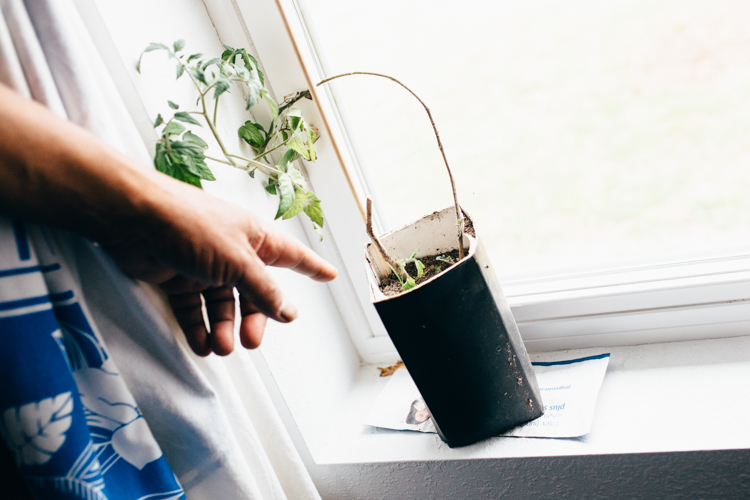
66, 415
99, 393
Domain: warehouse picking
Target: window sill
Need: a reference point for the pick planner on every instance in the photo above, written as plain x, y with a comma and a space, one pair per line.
670, 397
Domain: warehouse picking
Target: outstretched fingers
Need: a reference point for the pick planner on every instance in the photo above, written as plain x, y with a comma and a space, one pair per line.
279, 250
258, 288
260, 297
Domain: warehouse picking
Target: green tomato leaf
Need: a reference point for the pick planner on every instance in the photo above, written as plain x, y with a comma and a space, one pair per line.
251, 173
187, 148
155, 46
183, 175
296, 144
271, 188
222, 85
294, 118
180, 70
159, 121
193, 57
194, 139
241, 72
185, 117
286, 194
300, 200
297, 177
398, 276
252, 135
160, 160
211, 61
252, 65
410, 283
249, 61
198, 75
173, 105
313, 210
253, 93
414, 255
151, 47
420, 268
310, 141
197, 166
179, 45
274, 107
402, 266
174, 128
287, 157
226, 70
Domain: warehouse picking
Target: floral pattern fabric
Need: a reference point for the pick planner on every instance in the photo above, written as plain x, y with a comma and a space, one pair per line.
65, 413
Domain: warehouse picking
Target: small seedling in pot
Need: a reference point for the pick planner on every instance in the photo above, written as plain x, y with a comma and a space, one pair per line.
181, 154
443, 259
407, 282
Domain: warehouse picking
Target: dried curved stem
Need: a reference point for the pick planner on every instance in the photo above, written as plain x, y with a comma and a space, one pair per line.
375, 241
459, 213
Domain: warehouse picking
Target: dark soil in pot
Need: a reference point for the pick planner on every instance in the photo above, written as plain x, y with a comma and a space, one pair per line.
390, 285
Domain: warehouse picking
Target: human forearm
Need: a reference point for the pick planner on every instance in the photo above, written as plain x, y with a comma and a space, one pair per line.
58, 174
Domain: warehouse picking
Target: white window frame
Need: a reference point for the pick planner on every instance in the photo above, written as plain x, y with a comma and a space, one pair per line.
699, 299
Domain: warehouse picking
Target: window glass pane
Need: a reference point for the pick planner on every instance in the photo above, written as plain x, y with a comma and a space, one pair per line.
583, 134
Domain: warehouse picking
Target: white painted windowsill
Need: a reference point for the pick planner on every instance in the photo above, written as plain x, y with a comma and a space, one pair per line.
680, 396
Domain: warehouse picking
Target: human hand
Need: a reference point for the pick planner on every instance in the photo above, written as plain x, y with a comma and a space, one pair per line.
199, 249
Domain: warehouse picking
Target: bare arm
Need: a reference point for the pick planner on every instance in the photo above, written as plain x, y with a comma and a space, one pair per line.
158, 229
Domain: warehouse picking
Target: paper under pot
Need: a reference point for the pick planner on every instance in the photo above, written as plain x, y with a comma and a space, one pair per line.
457, 336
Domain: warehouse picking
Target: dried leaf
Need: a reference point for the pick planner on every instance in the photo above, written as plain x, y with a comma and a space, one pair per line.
390, 370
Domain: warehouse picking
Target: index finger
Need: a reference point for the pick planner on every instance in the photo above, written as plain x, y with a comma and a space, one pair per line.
279, 250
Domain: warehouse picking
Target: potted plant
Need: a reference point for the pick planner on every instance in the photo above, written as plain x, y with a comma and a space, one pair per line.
448, 318
442, 306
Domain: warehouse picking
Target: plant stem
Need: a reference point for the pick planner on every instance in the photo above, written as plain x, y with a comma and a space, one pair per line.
164, 136
459, 213
263, 168
289, 101
378, 245
216, 108
217, 160
271, 150
207, 89
211, 125
266, 169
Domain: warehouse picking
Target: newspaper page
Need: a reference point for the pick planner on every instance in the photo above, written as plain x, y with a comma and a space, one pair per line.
569, 391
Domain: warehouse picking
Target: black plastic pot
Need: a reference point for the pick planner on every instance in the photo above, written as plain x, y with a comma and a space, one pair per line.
457, 336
